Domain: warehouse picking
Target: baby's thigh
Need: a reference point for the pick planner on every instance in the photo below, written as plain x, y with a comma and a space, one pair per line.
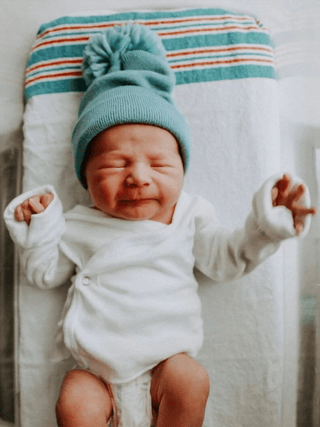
84, 399
180, 377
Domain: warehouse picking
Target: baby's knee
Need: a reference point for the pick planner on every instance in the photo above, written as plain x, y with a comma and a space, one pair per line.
184, 381
82, 396
188, 378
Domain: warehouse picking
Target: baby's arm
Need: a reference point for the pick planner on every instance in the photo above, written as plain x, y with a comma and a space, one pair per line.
279, 211
36, 224
34, 205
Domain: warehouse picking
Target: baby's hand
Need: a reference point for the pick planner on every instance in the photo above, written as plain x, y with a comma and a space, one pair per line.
34, 205
285, 194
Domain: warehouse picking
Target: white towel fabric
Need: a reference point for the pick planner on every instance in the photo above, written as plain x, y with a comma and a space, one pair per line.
235, 133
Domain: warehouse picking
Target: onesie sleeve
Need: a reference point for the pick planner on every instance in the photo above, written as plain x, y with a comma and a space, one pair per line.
45, 264
224, 255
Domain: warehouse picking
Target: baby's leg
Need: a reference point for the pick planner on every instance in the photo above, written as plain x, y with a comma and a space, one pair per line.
84, 401
179, 391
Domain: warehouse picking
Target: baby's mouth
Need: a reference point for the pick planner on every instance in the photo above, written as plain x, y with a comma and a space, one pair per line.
137, 201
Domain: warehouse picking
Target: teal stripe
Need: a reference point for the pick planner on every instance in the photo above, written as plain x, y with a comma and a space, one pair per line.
55, 70
90, 32
157, 28
182, 77
225, 73
181, 60
57, 86
216, 40
226, 56
56, 52
127, 16
173, 44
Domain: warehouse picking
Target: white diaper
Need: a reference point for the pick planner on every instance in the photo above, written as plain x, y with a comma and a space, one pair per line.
131, 401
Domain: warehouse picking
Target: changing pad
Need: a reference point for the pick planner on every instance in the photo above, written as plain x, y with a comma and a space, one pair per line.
227, 90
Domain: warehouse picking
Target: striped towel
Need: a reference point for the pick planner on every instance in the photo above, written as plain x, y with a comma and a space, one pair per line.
202, 45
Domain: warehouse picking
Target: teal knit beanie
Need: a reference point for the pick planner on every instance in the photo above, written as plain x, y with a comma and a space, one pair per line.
128, 81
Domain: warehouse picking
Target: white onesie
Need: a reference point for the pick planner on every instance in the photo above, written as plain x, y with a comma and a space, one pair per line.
133, 301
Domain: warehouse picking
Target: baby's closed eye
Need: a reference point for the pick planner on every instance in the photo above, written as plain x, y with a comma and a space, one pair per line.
160, 163
114, 164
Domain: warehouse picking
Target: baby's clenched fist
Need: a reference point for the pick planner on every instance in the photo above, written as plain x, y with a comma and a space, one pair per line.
31, 206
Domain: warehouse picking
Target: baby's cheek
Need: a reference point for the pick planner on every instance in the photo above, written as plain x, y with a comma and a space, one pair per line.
105, 194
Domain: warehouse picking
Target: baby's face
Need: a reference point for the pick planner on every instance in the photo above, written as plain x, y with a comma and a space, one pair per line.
135, 172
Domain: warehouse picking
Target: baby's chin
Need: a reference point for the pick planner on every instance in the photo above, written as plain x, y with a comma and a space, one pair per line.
133, 210
138, 210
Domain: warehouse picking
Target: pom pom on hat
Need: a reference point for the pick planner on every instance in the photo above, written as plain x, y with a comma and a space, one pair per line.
129, 81
104, 53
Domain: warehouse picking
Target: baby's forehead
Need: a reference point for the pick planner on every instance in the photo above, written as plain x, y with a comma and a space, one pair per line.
134, 139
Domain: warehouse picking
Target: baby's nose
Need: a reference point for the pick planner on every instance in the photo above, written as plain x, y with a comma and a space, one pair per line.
139, 175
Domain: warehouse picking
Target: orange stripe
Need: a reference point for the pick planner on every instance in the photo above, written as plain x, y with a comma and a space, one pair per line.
54, 30
232, 61
174, 33
52, 63
193, 20
169, 55
172, 21
49, 76
211, 50
178, 66
76, 39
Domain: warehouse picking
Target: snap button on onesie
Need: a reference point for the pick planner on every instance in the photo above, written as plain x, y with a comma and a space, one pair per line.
85, 281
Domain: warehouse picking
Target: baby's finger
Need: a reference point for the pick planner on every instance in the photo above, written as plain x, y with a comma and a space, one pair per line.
36, 205
46, 199
284, 183
274, 195
26, 211
300, 215
295, 194
283, 186
18, 214
298, 227
303, 211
